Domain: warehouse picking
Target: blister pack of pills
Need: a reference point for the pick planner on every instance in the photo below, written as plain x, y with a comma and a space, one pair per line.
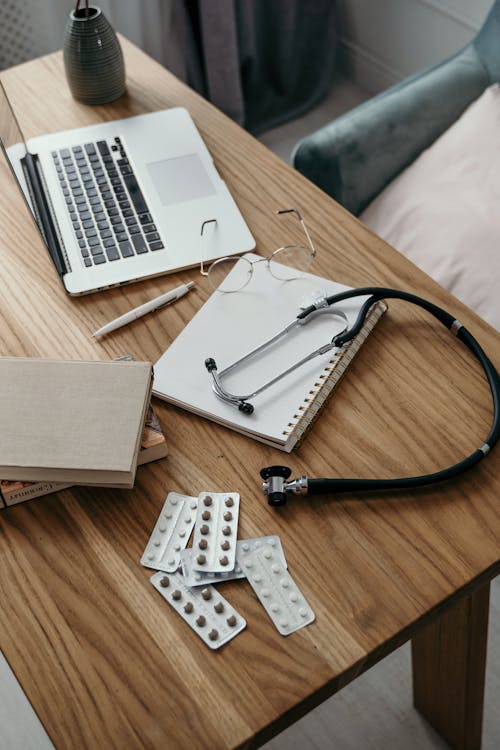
215, 531
171, 533
205, 610
276, 589
194, 577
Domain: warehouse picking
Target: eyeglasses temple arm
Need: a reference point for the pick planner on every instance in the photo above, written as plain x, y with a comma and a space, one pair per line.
202, 267
304, 227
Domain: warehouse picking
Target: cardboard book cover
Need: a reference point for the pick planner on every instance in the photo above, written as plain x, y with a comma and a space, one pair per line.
153, 447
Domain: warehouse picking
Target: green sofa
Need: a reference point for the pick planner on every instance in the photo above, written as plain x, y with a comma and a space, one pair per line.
354, 157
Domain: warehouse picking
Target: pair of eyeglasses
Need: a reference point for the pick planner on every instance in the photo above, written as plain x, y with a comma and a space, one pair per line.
232, 273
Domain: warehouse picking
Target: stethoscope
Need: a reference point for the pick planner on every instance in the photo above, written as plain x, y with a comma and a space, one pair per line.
276, 485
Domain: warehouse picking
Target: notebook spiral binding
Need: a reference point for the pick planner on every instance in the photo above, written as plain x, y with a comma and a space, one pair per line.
330, 377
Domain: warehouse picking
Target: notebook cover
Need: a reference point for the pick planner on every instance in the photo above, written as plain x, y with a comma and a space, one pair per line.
72, 421
230, 325
153, 447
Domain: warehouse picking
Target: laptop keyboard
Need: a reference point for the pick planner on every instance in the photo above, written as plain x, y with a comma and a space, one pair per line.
110, 217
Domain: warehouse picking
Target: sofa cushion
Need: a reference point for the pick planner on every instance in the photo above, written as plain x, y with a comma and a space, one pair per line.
443, 212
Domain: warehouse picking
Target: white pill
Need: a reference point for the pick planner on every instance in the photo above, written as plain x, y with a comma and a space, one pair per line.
168, 514
268, 554
293, 597
171, 561
162, 529
182, 533
156, 542
173, 501
245, 546
283, 624
265, 593
285, 584
257, 578
303, 612
274, 608
247, 564
177, 547
276, 568
193, 505
151, 557
272, 542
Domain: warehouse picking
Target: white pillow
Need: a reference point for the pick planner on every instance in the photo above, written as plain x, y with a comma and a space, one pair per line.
443, 211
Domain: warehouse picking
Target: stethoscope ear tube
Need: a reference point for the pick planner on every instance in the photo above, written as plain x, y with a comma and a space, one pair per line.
338, 485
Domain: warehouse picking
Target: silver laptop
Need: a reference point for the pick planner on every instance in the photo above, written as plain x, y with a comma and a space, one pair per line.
123, 200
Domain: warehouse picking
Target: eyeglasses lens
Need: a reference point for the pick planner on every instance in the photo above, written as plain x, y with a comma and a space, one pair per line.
230, 274
290, 262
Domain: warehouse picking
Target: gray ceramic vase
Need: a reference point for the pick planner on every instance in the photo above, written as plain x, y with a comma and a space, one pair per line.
93, 58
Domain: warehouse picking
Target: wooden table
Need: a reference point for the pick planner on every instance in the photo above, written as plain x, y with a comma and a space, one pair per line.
104, 661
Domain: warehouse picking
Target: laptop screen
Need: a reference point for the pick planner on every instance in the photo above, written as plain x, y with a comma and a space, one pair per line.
12, 141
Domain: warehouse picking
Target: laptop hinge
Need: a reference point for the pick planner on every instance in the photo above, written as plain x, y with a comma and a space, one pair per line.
43, 216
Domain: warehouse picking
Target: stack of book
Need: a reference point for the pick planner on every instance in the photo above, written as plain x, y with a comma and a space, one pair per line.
74, 423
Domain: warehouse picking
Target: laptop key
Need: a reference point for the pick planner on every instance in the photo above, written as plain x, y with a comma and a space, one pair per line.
103, 148
105, 233
91, 232
100, 216
145, 218
139, 244
126, 249
122, 237
96, 250
112, 253
147, 228
110, 242
79, 234
118, 228
87, 262
110, 203
130, 221
102, 225
90, 148
82, 243
124, 204
65, 153
113, 212
134, 229
94, 242
127, 212
115, 219
152, 237
96, 201
88, 224
156, 246
98, 259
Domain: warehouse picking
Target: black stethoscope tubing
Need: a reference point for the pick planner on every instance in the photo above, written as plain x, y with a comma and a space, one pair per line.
332, 485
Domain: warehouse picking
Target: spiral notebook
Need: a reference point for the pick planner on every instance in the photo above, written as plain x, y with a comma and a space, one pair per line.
230, 325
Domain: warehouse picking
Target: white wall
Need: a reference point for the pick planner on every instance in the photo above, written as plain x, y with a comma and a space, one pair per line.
382, 41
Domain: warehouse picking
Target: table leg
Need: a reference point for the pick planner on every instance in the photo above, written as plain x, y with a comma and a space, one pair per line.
449, 662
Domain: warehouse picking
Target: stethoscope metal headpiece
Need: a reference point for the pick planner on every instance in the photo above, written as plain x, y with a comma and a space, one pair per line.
319, 307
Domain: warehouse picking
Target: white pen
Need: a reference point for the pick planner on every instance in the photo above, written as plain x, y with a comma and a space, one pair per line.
147, 307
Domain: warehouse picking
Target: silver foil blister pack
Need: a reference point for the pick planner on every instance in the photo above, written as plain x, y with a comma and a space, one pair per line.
211, 616
171, 533
215, 531
276, 590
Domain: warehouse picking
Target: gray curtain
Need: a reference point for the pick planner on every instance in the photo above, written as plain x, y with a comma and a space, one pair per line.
262, 62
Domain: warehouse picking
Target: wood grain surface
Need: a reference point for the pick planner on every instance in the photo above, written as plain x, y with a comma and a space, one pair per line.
105, 662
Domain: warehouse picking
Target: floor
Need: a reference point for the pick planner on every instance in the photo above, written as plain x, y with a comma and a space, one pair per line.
373, 713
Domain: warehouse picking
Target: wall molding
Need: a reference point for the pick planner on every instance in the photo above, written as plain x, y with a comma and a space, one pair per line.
366, 68
450, 12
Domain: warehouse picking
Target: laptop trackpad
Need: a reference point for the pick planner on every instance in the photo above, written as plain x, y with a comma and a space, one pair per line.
180, 179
